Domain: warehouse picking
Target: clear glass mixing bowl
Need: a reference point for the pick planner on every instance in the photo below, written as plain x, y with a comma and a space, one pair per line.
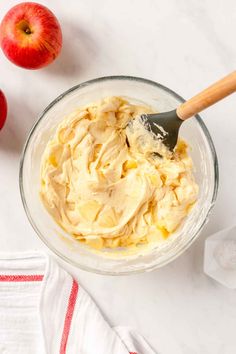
115, 262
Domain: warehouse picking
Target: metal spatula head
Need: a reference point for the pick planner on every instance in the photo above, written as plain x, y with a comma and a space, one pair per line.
164, 126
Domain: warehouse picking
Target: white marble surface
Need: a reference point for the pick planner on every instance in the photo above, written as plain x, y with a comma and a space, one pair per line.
183, 44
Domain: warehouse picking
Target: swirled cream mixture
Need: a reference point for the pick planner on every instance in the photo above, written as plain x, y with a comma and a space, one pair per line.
110, 191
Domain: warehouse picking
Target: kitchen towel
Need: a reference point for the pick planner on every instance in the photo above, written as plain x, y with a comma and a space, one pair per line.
43, 310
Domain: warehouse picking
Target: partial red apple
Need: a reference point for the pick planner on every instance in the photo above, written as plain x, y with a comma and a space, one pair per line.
3, 109
30, 35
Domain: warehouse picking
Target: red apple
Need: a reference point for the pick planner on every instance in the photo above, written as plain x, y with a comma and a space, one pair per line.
30, 35
3, 109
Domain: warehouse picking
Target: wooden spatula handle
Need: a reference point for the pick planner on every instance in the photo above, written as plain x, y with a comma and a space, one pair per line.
209, 96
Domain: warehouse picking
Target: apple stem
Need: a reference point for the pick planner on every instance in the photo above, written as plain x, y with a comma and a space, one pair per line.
28, 31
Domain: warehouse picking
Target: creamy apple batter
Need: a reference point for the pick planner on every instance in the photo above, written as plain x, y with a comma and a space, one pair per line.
107, 186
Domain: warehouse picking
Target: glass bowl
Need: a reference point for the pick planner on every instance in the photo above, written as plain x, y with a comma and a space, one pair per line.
116, 262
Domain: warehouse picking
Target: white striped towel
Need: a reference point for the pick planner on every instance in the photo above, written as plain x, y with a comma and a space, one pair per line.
43, 310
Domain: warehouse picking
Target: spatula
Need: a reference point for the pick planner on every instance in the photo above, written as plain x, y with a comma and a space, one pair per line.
165, 126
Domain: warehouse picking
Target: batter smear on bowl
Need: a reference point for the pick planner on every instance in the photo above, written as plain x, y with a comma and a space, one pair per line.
109, 191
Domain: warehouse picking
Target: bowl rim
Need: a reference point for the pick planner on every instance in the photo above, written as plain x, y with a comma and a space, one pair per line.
29, 137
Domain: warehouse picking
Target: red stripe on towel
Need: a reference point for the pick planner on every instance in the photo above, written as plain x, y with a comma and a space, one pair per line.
19, 278
69, 314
